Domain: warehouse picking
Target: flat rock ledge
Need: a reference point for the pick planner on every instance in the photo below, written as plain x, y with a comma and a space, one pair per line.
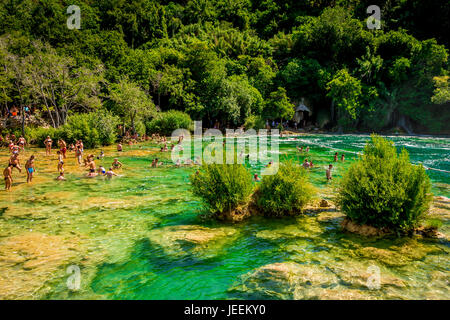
363, 230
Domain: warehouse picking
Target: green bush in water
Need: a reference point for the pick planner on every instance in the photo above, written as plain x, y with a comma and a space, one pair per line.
222, 187
166, 122
285, 193
254, 122
383, 189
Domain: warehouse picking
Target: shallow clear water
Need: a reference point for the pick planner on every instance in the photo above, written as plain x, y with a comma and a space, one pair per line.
126, 234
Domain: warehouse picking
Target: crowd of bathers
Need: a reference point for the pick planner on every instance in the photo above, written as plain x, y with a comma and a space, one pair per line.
309, 164
17, 146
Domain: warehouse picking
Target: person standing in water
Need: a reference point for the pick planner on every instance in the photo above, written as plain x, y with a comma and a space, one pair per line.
119, 147
306, 164
343, 158
14, 161
63, 147
328, 172
29, 166
92, 166
60, 161
7, 173
336, 157
48, 145
22, 142
78, 154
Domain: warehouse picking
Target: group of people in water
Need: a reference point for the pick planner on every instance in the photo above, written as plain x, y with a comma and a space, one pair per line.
17, 145
309, 164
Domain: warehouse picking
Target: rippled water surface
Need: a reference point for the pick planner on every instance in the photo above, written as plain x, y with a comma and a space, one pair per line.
139, 236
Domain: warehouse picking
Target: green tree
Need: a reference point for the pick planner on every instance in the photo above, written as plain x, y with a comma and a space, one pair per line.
278, 106
131, 102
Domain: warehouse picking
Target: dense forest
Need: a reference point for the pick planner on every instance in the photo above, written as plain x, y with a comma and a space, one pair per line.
230, 61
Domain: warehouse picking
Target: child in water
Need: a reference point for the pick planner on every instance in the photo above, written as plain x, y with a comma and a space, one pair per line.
109, 174
61, 176
116, 164
101, 170
60, 161
328, 172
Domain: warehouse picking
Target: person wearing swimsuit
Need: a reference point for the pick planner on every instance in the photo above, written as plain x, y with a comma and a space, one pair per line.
48, 145
60, 161
7, 173
15, 162
117, 164
30, 168
63, 146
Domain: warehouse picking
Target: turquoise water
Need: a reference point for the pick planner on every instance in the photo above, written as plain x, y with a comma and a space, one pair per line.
128, 239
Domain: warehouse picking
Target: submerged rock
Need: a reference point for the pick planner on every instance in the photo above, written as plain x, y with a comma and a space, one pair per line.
301, 227
191, 239
283, 280
29, 261
398, 254
357, 275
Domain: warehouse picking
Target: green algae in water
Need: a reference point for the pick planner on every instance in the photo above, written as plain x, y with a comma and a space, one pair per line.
112, 225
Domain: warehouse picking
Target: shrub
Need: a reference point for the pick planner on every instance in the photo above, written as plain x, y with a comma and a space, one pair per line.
166, 122
285, 193
383, 189
254, 122
79, 126
223, 187
96, 128
36, 136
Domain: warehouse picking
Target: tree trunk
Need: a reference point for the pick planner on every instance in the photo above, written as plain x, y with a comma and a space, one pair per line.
23, 120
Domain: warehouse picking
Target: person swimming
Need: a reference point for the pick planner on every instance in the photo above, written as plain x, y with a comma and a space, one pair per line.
29, 166
256, 178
